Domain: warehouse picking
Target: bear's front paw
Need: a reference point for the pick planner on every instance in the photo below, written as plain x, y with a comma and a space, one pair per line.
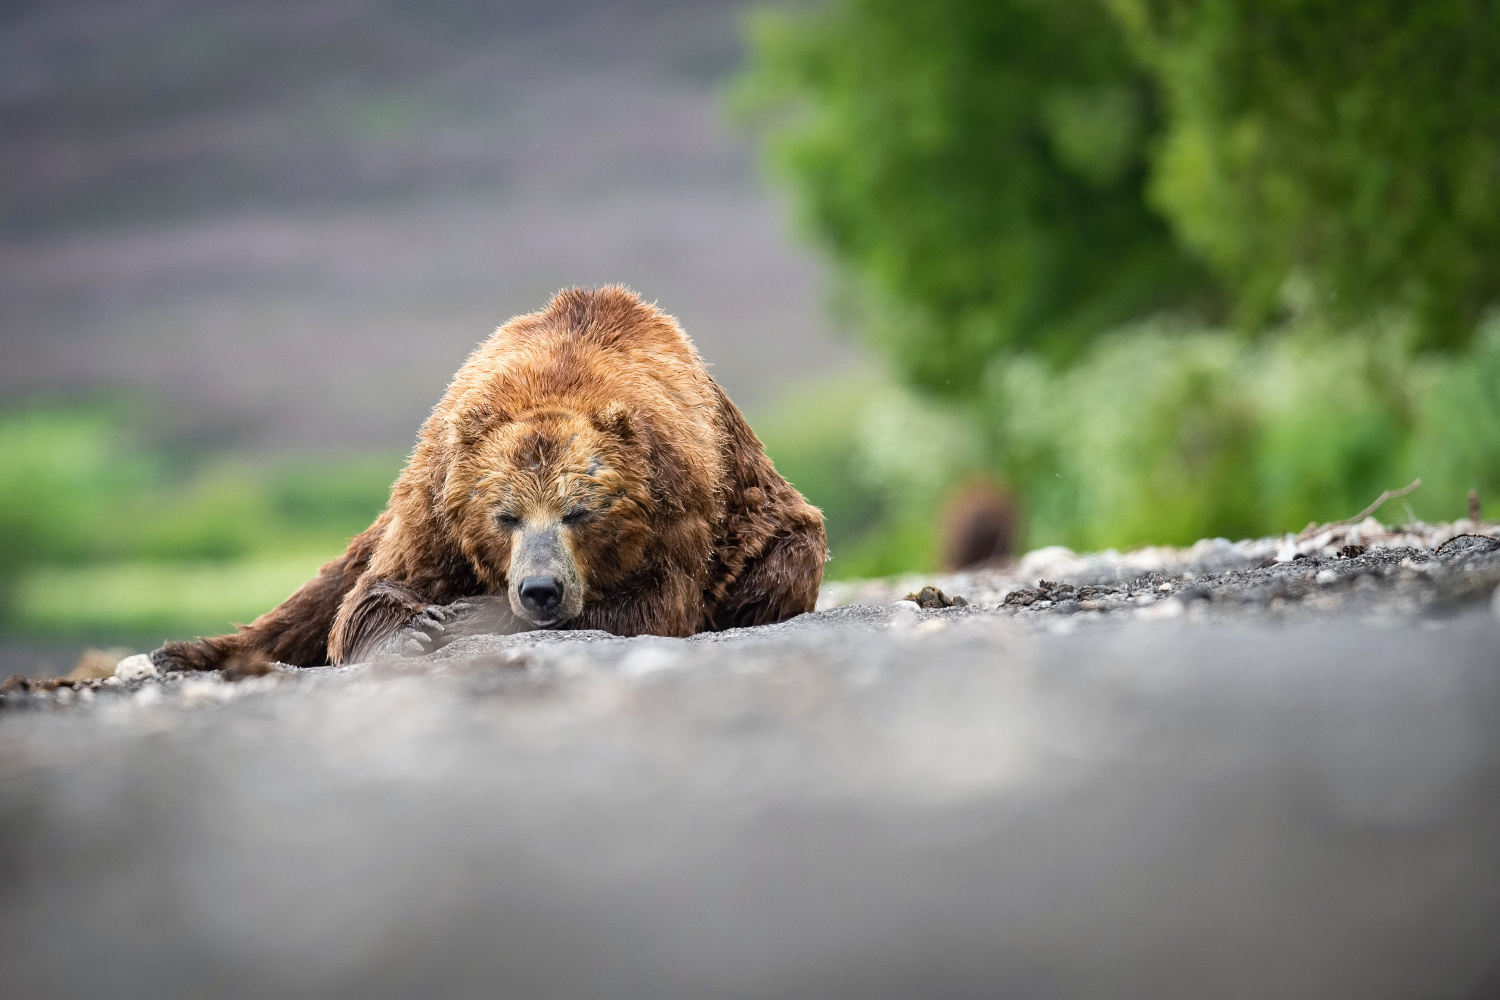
191, 655
422, 633
439, 624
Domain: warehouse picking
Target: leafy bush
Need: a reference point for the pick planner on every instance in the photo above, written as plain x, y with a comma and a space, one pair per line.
1163, 435
980, 167
1166, 434
967, 161
1351, 144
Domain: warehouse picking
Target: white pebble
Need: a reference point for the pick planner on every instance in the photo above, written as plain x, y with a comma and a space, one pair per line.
1162, 610
1326, 576
137, 667
648, 659
1165, 588
199, 692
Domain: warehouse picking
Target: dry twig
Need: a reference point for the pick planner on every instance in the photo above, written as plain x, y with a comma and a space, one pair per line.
1314, 528
1412, 487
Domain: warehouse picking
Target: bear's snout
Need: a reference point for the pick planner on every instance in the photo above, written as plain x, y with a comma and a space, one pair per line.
545, 586
541, 596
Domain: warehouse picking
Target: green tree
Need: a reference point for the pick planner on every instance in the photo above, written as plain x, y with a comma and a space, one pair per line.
1017, 190
977, 166
1350, 145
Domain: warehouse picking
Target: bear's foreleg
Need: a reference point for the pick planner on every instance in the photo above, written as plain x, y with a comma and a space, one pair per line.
371, 619
385, 618
295, 632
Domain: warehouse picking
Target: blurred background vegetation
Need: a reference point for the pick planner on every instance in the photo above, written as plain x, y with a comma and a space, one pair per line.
1170, 268
105, 537
1166, 269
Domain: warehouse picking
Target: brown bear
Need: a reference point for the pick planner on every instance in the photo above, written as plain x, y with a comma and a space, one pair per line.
582, 471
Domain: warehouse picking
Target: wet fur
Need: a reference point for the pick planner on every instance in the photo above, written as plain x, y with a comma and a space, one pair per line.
598, 403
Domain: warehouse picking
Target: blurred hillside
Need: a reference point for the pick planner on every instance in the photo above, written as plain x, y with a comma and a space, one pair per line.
287, 223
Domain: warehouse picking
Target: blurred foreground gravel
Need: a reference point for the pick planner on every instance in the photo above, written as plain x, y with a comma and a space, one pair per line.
1219, 772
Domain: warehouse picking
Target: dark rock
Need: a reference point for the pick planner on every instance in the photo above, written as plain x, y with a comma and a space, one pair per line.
931, 598
1463, 546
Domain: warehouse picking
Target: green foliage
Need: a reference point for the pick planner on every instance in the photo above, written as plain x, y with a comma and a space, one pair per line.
145, 602
977, 166
1167, 435
1160, 433
64, 481
84, 504
1352, 143
989, 173
1146, 439
1455, 443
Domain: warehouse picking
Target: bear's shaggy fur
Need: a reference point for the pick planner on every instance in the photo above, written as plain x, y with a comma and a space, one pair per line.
582, 471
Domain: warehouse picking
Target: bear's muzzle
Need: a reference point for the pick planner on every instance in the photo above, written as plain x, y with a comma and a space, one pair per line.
545, 586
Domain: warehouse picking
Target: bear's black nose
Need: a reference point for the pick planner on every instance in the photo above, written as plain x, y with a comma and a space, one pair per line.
541, 594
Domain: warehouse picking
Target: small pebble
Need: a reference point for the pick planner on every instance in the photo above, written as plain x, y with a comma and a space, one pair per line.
135, 668
648, 658
1166, 609
1165, 588
1326, 576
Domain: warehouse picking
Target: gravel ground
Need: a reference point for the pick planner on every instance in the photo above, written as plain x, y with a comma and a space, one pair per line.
1238, 770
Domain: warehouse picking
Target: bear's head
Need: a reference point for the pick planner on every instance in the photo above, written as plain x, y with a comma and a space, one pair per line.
552, 505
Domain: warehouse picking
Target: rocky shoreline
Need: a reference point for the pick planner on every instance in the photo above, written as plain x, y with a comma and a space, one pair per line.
1381, 576
1252, 769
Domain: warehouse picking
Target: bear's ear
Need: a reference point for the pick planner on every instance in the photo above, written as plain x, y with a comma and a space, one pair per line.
615, 419
466, 426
